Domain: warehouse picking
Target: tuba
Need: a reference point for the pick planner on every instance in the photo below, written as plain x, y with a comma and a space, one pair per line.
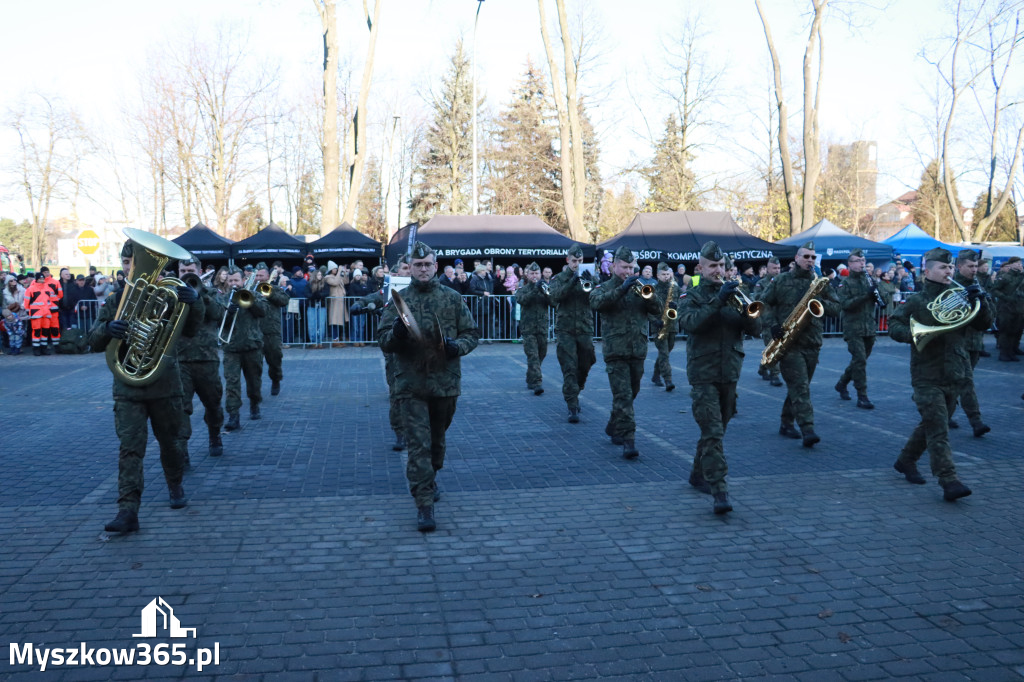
151, 308
806, 308
951, 310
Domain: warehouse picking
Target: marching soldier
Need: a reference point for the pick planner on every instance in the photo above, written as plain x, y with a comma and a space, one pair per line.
938, 373
534, 302
270, 325
624, 344
714, 356
1009, 292
159, 403
769, 373
665, 340
966, 271
243, 354
199, 362
798, 364
858, 296
428, 380
574, 329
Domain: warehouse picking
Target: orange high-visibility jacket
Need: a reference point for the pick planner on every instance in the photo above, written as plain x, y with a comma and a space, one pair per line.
57, 291
37, 299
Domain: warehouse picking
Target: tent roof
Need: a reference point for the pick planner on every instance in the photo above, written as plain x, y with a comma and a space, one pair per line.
345, 241
678, 236
835, 243
203, 242
487, 236
913, 241
270, 242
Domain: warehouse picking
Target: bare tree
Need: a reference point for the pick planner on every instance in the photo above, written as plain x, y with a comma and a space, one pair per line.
332, 170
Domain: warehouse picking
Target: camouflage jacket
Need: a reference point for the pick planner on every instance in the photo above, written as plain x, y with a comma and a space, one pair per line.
168, 383
714, 344
785, 292
974, 339
247, 335
573, 315
421, 370
767, 319
661, 290
888, 290
944, 359
1008, 291
533, 304
203, 346
858, 303
270, 324
624, 320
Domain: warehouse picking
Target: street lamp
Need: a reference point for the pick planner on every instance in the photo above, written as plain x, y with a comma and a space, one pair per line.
479, 3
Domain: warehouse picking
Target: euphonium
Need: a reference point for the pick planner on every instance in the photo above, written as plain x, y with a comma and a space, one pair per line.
806, 308
150, 306
951, 309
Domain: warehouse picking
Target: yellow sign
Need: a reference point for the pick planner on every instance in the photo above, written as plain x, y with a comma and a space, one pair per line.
88, 242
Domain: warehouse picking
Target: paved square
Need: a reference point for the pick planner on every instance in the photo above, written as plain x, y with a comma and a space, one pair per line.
554, 558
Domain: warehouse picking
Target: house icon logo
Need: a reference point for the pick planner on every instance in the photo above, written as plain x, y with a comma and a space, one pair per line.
158, 609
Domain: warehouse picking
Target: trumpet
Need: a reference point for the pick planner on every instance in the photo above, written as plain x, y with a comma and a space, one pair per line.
644, 291
586, 285
197, 282
545, 288
244, 297
744, 304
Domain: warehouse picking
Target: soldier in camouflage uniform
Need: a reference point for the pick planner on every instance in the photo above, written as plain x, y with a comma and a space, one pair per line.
858, 297
244, 354
966, 275
1008, 290
624, 323
534, 302
574, 329
769, 373
158, 403
428, 378
799, 362
937, 373
270, 325
199, 361
714, 356
665, 339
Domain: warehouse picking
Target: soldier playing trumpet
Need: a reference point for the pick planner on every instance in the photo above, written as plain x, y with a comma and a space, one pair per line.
858, 297
534, 299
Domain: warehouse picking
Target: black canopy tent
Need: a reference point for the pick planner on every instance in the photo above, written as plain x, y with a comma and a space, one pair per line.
270, 242
832, 242
521, 237
345, 241
204, 243
677, 236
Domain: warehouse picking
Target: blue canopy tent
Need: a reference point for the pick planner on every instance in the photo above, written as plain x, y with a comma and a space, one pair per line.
911, 242
832, 242
271, 243
204, 243
345, 241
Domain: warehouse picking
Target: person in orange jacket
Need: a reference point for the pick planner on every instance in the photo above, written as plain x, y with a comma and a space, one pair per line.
37, 303
56, 294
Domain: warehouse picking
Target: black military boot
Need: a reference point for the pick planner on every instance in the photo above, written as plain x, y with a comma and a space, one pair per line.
841, 389
669, 387
954, 490
37, 351
1006, 357
699, 483
232, 423
254, 413
275, 387
399, 443
656, 380
863, 402
954, 424
50, 348
789, 431
776, 381
538, 390
178, 499
981, 429
629, 450
574, 416
984, 354
126, 521
216, 446
425, 519
811, 438
722, 504
909, 472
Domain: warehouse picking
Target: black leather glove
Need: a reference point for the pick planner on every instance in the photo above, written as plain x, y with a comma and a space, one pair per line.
400, 331
727, 290
628, 284
656, 325
117, 329
974, 292
451, 349
187, 295
673, 305
586, 275
777, 332
234, 308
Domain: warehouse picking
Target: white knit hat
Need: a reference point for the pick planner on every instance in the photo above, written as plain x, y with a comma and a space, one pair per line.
331, 265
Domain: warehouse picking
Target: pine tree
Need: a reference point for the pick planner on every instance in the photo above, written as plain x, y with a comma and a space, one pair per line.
671, 180
931, 209
1004, 229
371, 202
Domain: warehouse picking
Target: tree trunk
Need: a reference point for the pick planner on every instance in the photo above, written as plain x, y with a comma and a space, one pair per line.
329, 202
812, 134
358, 129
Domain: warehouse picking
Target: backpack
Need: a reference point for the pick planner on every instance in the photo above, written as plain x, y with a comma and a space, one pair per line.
73, 342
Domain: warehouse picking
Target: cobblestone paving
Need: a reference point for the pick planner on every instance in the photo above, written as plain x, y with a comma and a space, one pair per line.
554, 558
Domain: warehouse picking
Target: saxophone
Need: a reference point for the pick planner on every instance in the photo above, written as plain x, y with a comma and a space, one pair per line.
667, 314
793, 327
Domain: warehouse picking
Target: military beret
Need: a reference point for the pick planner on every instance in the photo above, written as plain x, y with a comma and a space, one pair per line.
966, 255
984, 260
728, 263
127, 251
574, 251
262, 266
421, 250
774, 259
938, 254
664, 266
809, 245
533, 266
859, 253
711, 252
624, 254
1012, 259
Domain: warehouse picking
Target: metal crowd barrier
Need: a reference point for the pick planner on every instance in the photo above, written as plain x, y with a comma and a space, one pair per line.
85, 315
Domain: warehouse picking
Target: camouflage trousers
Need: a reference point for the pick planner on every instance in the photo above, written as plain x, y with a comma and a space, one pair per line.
713, 407
1010, 328
936, 405
395, 404
857, 371
425, 424
662, 365
131, 419
772, 369
968, 396
576, 356
536, 348
797, 367
202, 378
624, 379
250, 363
273, 354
